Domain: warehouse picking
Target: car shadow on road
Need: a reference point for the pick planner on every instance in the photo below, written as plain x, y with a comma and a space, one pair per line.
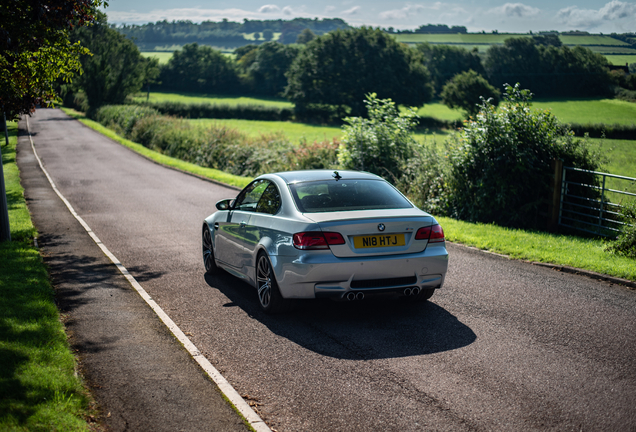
374, 328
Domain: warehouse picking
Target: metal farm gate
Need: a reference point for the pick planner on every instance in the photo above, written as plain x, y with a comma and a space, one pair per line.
598, 215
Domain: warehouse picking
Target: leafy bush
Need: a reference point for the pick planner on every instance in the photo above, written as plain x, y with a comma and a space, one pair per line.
123, 118
422, 178
380, 143
625, 244
500, 163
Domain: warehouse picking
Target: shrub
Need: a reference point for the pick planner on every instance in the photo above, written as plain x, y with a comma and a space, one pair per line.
124, 116
422, 178
380, 143
500, 163
625, 244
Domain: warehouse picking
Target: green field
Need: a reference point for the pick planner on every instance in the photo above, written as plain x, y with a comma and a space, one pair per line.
590, 111
192, 98
605, 45
621, 60
298, 132
581, 111
162, 56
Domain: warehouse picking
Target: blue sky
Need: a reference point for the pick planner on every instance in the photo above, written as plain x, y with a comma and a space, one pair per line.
477, 15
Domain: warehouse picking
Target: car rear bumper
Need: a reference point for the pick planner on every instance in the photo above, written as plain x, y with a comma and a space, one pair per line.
321, 274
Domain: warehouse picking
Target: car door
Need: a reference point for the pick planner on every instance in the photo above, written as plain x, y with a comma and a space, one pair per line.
233, 244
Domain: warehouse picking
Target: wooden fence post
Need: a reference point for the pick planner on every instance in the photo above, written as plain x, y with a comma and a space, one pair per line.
555, 203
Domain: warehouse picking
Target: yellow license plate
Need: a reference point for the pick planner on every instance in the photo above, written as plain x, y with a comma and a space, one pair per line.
380, 240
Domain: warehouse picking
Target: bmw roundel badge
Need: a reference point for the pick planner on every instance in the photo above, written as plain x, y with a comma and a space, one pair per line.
381, 227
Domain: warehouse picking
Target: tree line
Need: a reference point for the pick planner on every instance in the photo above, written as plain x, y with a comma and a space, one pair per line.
226, 33
336, 70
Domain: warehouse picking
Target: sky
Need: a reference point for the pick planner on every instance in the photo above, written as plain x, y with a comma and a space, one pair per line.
476, 15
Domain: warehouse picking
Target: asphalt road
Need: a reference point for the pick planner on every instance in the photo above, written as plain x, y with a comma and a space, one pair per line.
505, 345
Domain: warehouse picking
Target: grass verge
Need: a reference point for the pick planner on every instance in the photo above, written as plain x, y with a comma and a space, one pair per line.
39, 389
527, 245
583, 253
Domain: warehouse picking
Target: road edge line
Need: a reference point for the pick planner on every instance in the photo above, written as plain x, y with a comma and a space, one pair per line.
253, 419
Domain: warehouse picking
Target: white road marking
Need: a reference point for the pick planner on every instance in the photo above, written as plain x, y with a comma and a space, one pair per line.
226, 388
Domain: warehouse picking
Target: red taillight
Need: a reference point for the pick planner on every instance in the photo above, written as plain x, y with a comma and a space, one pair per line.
317, 240
433, 233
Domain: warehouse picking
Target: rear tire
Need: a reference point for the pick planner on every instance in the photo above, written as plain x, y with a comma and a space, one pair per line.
269, 297
208, 251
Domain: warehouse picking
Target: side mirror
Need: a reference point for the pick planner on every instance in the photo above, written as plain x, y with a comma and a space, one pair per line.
225, 204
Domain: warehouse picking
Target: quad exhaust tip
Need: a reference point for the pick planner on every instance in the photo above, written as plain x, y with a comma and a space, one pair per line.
411, 291
354, 296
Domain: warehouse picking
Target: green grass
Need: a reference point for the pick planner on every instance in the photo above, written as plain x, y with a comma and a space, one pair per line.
581, 111
209, 173
295, 132
621, 60
162, 56
439, 111
38, 386
298, 132
586, 111
541, 247
192, 98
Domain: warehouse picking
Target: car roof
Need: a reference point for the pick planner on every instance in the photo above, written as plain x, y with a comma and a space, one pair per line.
321, 174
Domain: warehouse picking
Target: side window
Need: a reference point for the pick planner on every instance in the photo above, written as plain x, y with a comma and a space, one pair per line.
249, 197
270, 200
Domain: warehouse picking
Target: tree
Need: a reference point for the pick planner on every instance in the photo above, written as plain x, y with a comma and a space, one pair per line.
381, 143
305, 36
446, 61
271, 62
268, 34
35, 51
115, 69
200, 69
548, 70
466, 91
341, 67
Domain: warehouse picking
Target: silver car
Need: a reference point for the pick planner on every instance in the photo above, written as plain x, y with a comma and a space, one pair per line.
311, 234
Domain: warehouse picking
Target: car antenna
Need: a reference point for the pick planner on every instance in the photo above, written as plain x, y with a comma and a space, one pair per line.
336, 175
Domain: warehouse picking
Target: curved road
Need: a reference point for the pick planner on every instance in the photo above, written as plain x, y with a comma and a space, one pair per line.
505, 345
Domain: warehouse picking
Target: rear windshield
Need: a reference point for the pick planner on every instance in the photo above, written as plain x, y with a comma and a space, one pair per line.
344, 195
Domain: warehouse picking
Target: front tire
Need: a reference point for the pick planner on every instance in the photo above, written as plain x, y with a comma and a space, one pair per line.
269, 296
208, 251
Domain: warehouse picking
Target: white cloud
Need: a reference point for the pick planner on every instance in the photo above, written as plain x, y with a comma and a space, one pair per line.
590, 18
287, 10
268, 9
406, 11
516, 10
618, 10
353, 11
